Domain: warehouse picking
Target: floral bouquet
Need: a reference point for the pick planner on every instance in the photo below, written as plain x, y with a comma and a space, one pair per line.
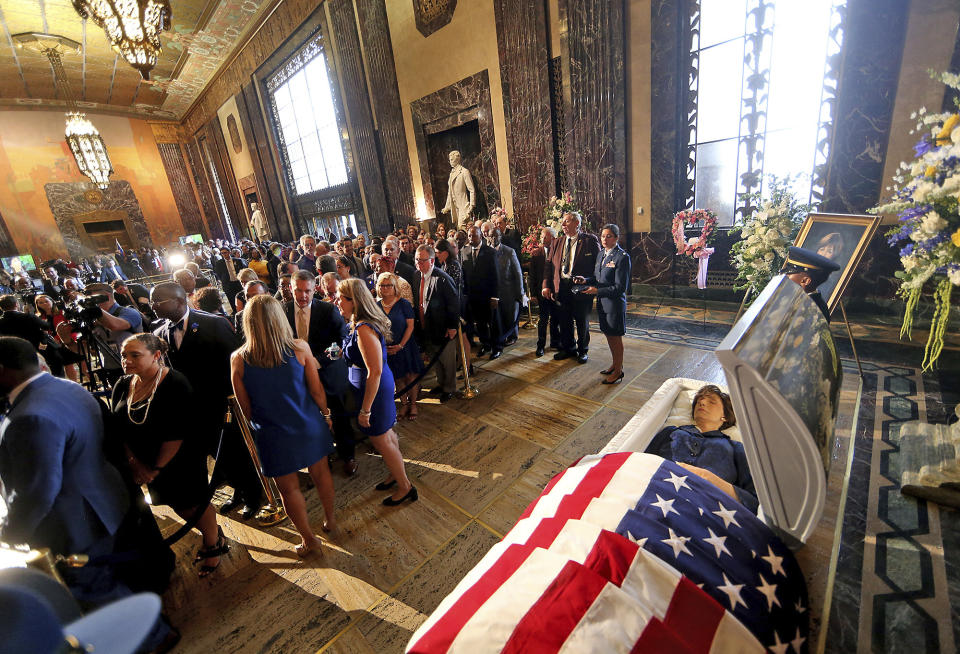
499, 212
925, 198
531, 242
557, 207
695, 245
766, 234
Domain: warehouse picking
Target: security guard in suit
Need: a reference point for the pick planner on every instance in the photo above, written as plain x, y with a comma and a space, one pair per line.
809, 270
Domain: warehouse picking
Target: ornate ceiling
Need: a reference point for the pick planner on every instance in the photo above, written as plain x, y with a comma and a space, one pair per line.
203, 36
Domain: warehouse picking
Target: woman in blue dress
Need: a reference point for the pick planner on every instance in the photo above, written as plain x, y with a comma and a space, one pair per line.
403, 355
277, 386
365, 349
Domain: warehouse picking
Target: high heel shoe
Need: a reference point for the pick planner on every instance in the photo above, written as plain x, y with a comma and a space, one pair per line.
615, 381
386, 485
411, 495
606, 372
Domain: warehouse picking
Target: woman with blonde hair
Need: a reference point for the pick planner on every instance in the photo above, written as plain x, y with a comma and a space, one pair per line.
403, 355
365, 349
277, 386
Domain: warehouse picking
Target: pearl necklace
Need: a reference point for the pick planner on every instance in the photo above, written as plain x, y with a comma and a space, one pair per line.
149, 399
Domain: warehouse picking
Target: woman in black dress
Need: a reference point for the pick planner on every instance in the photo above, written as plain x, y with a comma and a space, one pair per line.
148, 405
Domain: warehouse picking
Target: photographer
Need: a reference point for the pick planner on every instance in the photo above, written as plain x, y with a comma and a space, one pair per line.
113, 326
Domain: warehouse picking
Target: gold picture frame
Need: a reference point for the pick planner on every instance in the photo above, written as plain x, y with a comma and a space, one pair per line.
842, 238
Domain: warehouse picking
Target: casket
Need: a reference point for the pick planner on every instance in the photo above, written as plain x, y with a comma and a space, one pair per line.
625, 551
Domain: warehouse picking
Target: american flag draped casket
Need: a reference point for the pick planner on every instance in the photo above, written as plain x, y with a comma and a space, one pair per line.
628, 552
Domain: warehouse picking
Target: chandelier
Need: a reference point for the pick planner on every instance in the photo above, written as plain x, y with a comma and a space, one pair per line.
83, 138
132, 26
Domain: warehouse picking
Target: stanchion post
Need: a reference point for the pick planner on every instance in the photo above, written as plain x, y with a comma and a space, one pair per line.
531, 321
468, 392
272, 513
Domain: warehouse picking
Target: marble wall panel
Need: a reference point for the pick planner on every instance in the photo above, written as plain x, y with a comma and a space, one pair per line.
179, 177
207, 202
456, 104
596, 120
385, 97
216, 146
67, 200
874, 32
524, 75
343, 23
666, 116
7, 247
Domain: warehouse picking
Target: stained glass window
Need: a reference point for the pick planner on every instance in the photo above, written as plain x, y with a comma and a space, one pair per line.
763, 73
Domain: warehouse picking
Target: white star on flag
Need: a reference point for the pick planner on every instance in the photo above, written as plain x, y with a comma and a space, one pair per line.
633, 539
677, 481
770, 592
664, 505
798, 641
678, 543
726, 515
718, 543
776, 562
733, 592
778, 647
800, 607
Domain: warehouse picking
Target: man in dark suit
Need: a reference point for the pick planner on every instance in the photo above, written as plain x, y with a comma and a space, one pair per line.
200, 347
575, 255
320, 324
437, 308
308, 248
226, 268
481, 282
407, 247
15, 322
390, 249
547, 308
511, 287
51, 284
510, 236
59, 490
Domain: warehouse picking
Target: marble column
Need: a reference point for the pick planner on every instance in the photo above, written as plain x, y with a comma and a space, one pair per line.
177, 175
207, 202
593, 45
874, 32
524, 75
343, 28
385, 99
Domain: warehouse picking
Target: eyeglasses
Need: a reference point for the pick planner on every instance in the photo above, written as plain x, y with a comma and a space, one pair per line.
424, 260
156, 303
386, 285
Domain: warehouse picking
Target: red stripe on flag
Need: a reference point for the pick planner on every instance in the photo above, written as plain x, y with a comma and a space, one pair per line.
611, 556
439, 637
553, 617
694, 615
657, 638
614, 461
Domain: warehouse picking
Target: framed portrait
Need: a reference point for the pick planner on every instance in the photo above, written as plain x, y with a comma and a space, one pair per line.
842, 238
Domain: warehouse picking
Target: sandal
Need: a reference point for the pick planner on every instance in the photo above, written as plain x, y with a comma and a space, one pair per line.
218, 550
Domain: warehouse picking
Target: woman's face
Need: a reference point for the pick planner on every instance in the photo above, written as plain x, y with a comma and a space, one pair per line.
343, 271
442, 256
830, 250
608, 239
385, 290
45, 304
709, 410
344, 302
136, 359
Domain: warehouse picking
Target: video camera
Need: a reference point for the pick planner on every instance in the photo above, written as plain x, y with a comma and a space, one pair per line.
84, 311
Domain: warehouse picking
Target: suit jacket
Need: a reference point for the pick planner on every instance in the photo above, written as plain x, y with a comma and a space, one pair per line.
443, 307
204, 359
511, 282
611, 276
59, 489
326, 327
511, 238
481, 274
584, 259
406, 271
220, 269
538, 263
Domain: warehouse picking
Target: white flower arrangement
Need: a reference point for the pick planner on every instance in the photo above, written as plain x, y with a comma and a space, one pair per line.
765, 236
925, 197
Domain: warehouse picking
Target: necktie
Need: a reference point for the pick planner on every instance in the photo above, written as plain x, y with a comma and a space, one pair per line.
176, 333
423, 286
303, 327
566, 257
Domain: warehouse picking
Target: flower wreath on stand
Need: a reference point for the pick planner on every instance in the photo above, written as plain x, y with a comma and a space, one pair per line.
926, 193
696, 246
557, 206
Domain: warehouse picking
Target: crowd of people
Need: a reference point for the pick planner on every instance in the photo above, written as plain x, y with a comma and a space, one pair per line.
316, 341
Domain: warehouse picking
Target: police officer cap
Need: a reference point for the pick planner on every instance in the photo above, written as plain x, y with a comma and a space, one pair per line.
801, 260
